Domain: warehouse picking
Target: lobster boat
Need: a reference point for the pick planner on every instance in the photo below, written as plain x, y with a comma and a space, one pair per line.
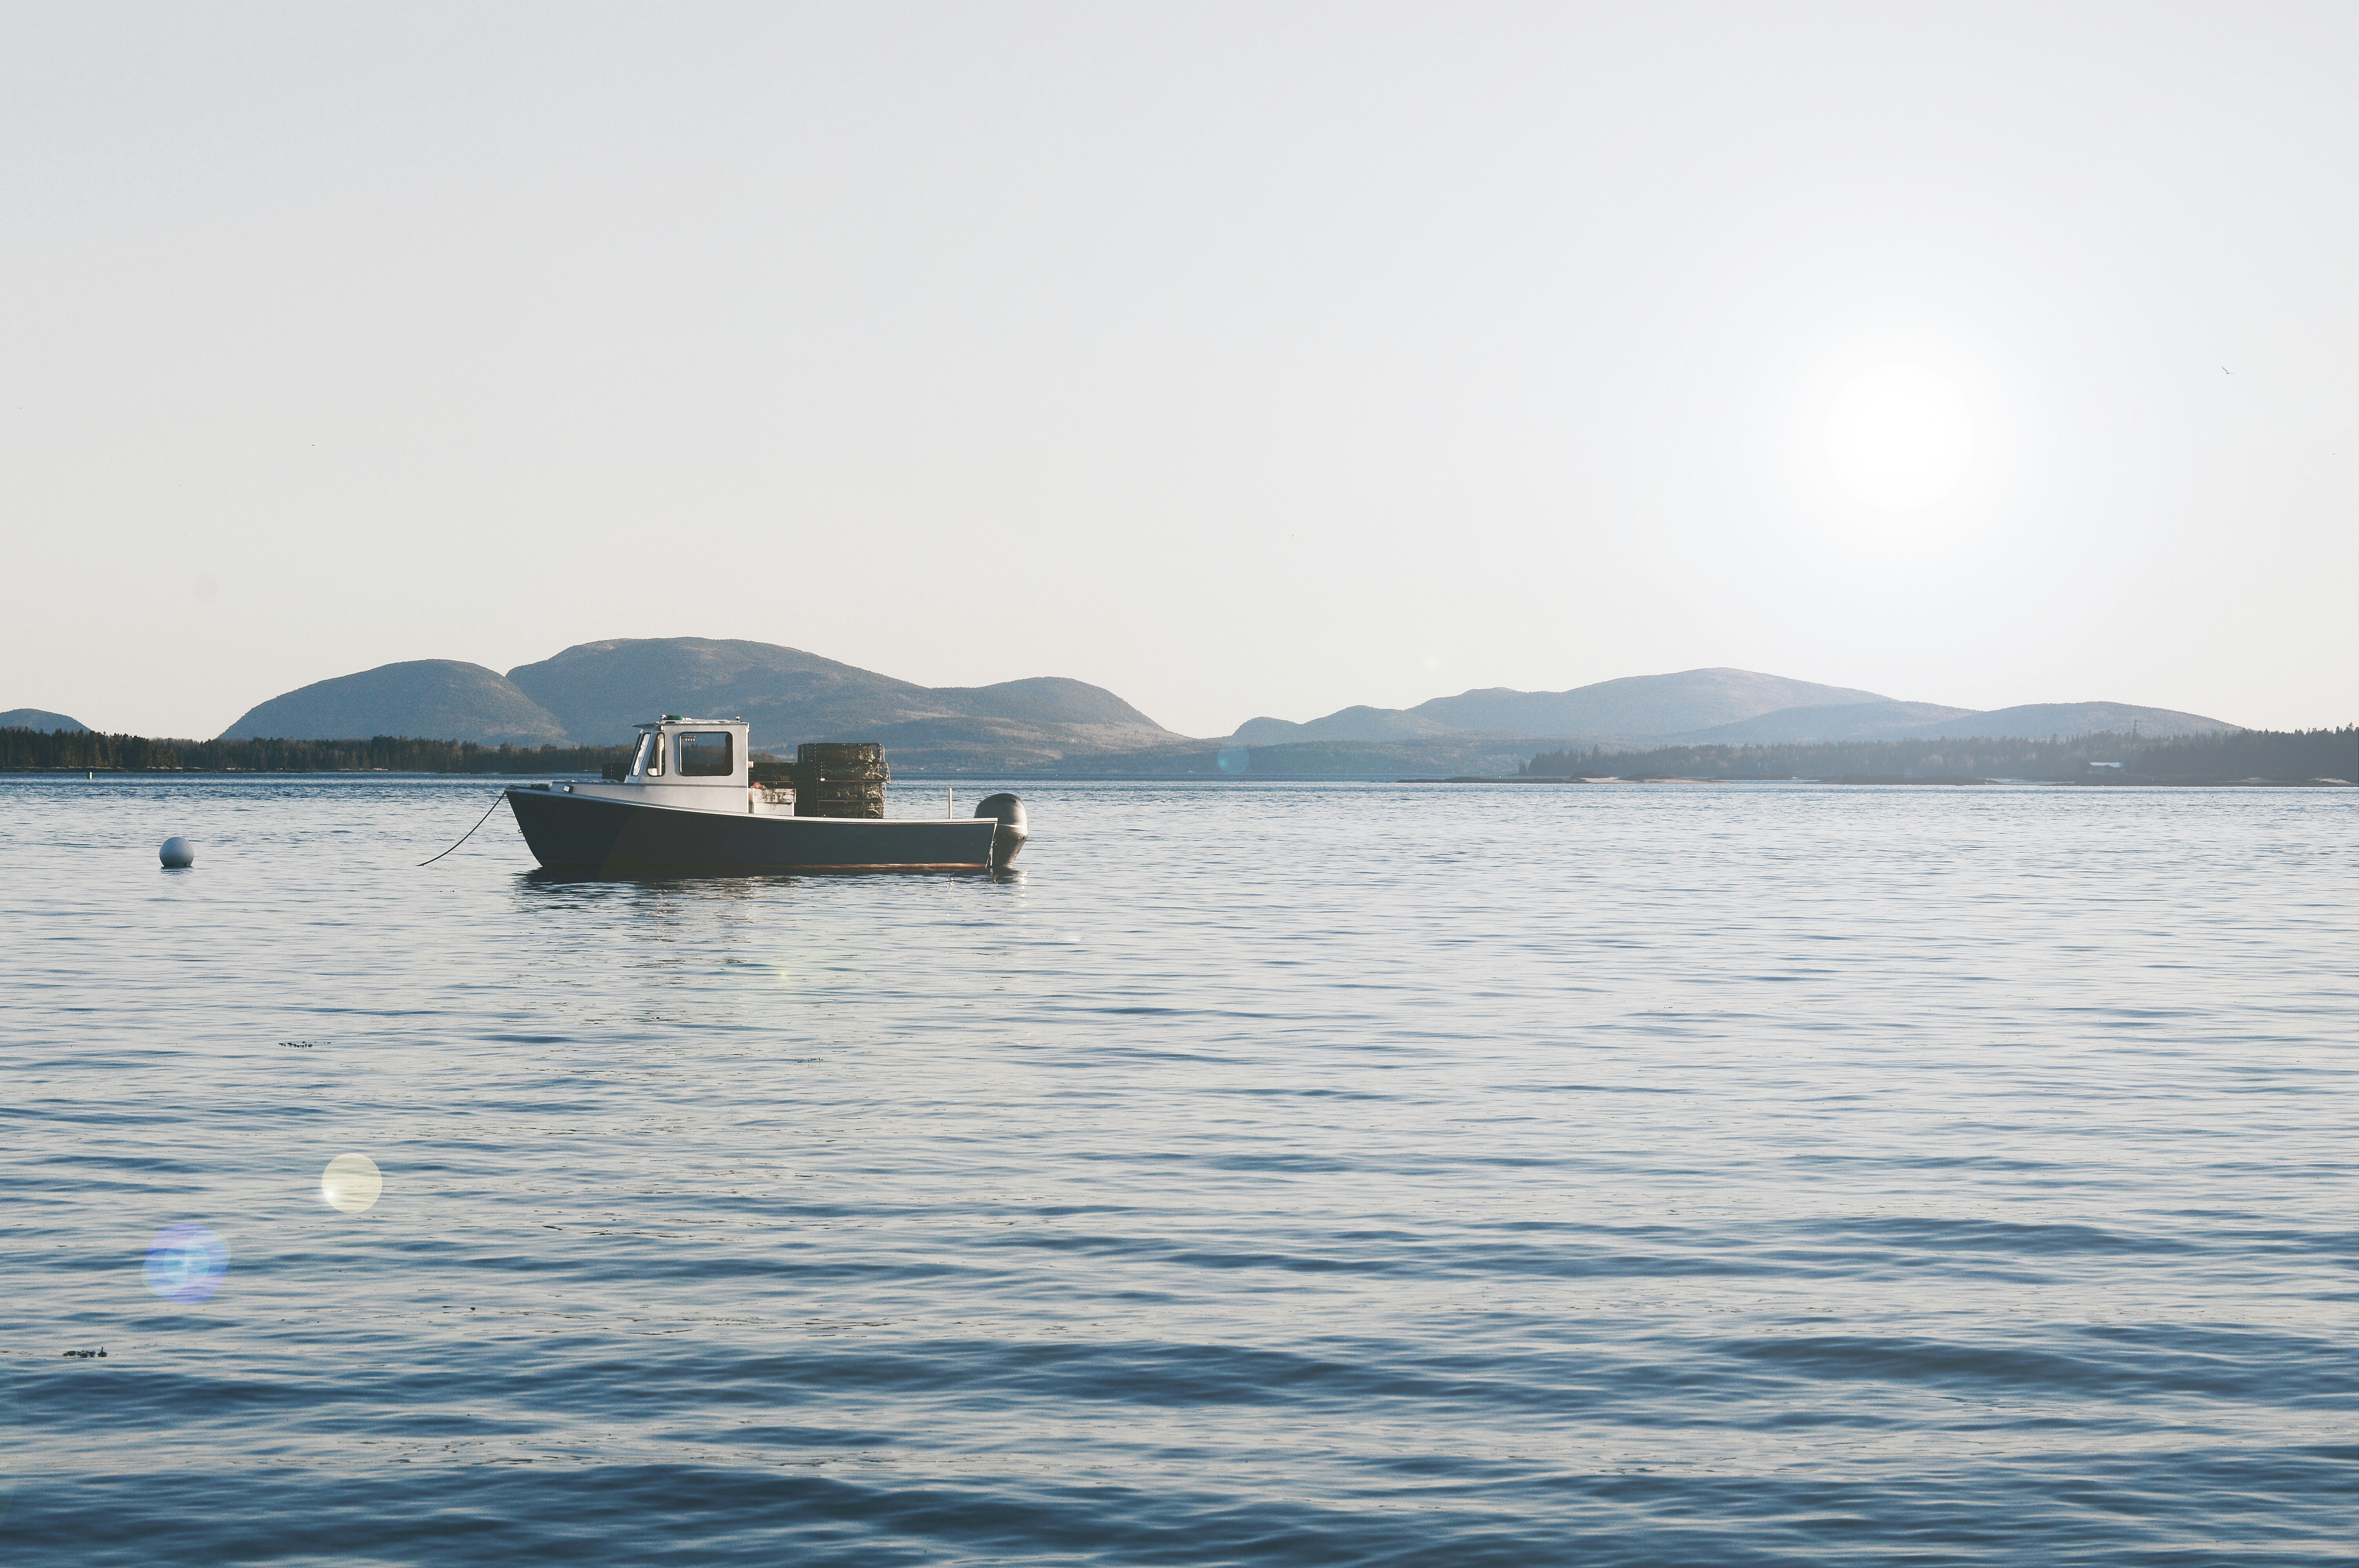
689, 800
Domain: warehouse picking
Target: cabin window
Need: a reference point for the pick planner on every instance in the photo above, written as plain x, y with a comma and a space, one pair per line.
650, 757
704, 754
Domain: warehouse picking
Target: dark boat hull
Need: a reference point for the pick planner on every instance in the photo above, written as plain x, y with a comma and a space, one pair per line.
577, 832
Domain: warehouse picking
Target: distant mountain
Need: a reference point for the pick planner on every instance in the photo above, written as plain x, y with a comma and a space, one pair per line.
599, 690
1927, 720
1635, 705
1712, 706
2038, 720
432, 699
594, 692
1631, 707
39, 719
1880, 721
1046, 699
1350, 724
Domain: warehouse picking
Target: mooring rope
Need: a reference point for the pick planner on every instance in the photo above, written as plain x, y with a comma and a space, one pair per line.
470, 833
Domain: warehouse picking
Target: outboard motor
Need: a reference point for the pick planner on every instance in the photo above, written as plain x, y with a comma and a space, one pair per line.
1009, 836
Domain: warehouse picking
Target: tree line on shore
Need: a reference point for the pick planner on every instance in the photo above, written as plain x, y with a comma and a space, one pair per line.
2233, 754
2230, 754
31, 751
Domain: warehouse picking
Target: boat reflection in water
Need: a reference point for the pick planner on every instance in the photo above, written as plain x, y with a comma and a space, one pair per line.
690, 802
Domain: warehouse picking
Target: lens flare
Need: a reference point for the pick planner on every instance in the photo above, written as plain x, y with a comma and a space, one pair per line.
186, 1262
351, 1183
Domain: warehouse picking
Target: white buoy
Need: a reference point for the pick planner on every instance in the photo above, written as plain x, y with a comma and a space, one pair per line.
177, 853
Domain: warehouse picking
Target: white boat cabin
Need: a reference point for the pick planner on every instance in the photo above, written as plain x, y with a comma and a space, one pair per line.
696, 764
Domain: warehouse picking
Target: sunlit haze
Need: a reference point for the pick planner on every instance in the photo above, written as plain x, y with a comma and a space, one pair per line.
1242, 358
1899, 436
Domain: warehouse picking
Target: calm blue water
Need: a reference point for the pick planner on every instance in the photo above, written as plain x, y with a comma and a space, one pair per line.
1267, 1175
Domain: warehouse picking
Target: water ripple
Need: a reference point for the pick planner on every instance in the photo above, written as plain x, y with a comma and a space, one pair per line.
1267, 1175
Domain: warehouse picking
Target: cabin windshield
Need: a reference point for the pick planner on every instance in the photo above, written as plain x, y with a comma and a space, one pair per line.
704, 754
650, 757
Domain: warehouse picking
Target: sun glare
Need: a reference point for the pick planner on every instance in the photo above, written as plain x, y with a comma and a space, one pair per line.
1898, 437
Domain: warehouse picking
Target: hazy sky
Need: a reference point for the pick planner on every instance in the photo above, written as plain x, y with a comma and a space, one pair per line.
1243, 359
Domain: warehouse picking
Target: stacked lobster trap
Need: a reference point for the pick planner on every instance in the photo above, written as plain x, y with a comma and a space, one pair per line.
829, 778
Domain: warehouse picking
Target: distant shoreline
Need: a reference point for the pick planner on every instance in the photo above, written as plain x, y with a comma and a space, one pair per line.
1016, 779
2240, 757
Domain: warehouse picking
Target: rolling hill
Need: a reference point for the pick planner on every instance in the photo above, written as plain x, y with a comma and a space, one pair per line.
598, 690
1347, 725
2037, 721
438, 699
1635, 705
1629, 708
1927, 722
1875, 721
41, 719
1709, 707
593, 693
